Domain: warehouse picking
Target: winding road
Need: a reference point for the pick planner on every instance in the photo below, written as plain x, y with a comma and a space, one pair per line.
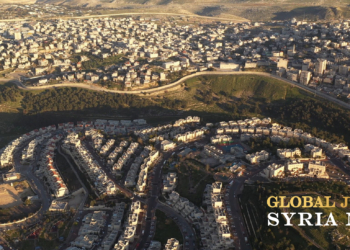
174, 84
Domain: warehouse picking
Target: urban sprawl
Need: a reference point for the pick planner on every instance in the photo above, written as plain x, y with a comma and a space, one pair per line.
138, 53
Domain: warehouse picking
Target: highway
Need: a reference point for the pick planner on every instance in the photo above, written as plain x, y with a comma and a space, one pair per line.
174, 84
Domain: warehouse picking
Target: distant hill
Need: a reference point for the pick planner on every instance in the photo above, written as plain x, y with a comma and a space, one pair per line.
255, 10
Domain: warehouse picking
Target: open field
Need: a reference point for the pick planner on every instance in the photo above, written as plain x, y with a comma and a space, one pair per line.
10, 197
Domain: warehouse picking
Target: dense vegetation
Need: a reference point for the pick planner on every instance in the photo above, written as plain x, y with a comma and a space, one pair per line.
281, 237
8, 93
322, 119
97, 62
69, 99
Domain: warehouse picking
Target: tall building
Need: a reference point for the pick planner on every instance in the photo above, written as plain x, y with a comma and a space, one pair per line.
18, 35
305, 77
282, 63
320, 66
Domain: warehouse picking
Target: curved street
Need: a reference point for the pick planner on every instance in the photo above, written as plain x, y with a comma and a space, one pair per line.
174, 84
38, 188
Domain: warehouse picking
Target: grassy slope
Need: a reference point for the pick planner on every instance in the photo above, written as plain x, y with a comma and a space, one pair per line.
227, 89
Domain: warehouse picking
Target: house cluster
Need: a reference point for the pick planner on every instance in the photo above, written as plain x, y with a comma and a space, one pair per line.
314, 169
33, 10
96, 137
28, 152
278, 134
218, 139
111, 127
190, 135
169, 182
214, 227
314, 54
145, 167
158, 133
86, 163
167, 145
256, 157
6, 153
48, 169
176, 46
187, 209
284, 153
105, 148
213, 152
166, 132
114, 226
188, 119
130, 180
130, 227
112, 157
123, 160
90, 230
172, 244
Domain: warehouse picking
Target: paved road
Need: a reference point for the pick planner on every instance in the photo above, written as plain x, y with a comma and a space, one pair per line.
171, 85
184, 226
237, 215
155, 183
236, 212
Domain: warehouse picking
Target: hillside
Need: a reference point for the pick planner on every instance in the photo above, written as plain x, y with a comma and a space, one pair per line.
256, 10
214, 98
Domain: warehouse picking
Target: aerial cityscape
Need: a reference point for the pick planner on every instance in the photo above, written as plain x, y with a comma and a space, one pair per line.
151, 125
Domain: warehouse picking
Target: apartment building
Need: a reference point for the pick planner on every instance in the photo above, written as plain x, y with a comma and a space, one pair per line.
274, 170
284, 153
169, 183
172, 244
317, 169
257, 157
313, 150
295, 167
